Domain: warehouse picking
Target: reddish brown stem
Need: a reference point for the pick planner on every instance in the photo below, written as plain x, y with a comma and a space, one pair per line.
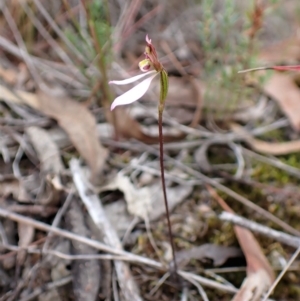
163, 181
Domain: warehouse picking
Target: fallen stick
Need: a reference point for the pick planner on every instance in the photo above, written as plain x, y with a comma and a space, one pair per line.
282, 237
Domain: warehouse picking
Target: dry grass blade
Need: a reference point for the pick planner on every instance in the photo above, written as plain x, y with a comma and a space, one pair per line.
55, 70
260, 275
11, 22
56, 47
59, 32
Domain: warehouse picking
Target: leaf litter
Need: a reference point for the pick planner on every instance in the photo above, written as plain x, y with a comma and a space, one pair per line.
260, 274
36, 184
74, 118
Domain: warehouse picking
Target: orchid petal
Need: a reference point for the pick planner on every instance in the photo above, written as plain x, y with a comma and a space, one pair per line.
133, 94
131, 79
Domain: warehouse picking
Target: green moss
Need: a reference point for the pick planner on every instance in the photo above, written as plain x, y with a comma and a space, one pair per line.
266, 173
275, 136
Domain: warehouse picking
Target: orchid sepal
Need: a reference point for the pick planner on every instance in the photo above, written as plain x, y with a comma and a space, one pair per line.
131, 79
133, 94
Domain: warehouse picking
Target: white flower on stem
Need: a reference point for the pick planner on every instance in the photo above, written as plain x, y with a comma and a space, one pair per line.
136, 92
151, 61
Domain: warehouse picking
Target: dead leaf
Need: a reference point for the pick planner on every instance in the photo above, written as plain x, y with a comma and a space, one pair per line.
147, 202
47, 151
218, 254
176, 195
80, 125
276, 149
260, 274
75, 119
282, 88
51, 165
254, 287
86, 273
138, 199
118, 216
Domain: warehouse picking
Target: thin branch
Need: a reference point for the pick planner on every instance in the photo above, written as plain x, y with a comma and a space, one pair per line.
66, 234
282, 237
32, 249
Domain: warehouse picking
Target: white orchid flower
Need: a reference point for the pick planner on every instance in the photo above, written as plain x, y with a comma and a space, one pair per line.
136, 92
140, 89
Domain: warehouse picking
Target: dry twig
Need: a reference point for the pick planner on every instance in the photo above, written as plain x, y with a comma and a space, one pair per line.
282, 237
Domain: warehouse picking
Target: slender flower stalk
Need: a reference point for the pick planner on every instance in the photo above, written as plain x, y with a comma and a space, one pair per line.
151, 67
